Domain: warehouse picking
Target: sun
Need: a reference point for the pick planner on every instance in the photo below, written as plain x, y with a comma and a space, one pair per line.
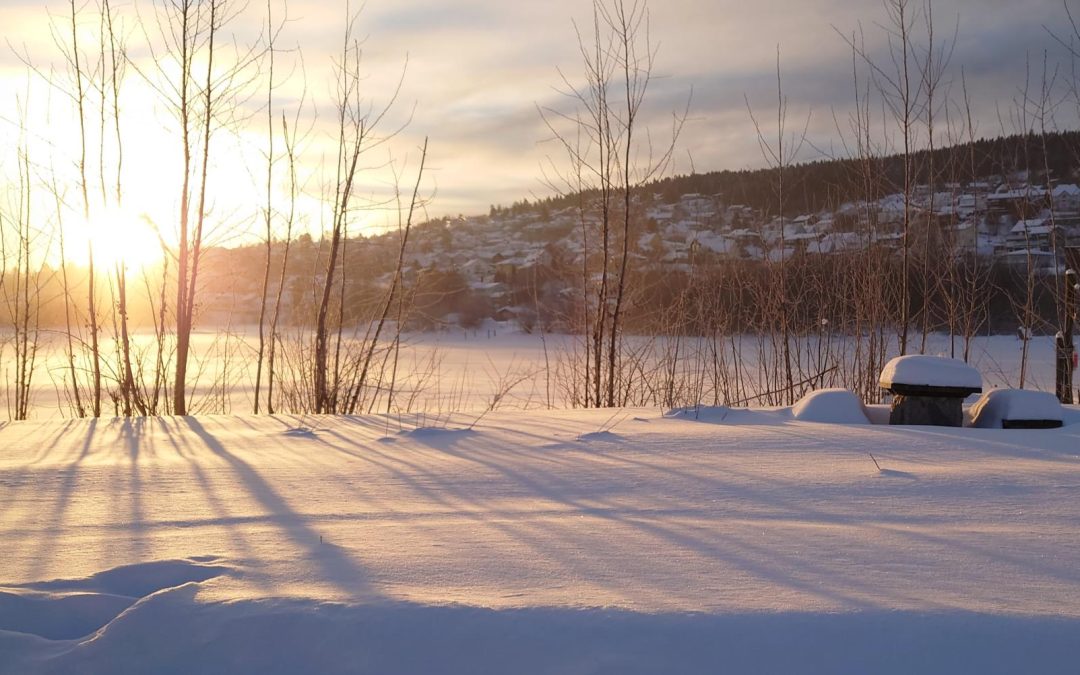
118, 237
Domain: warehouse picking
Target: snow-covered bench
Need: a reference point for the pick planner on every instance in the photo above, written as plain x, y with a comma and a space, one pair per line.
1017, 409
929, 389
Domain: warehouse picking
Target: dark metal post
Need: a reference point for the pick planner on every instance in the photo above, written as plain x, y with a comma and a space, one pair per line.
1064, 347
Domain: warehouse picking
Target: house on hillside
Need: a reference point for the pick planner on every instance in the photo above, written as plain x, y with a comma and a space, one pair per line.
738, 216
1066, 203
890, 212
746, 243
950, 208
1018, 203
1033, 236
890, 240
715, 244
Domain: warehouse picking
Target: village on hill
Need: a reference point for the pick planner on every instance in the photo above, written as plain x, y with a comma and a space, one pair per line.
500, 266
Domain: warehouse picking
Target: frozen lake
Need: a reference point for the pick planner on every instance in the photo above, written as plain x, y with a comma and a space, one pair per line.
461, 371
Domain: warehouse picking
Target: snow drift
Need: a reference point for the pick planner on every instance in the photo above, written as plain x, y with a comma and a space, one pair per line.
999, 408
555, 542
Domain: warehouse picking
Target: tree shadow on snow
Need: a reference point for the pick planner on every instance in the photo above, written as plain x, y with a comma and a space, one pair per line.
337, 567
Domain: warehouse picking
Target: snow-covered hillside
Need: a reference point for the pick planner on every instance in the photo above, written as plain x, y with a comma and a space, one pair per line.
544, 542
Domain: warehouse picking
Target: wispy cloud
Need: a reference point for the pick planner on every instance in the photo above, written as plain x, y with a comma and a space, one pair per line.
478, 69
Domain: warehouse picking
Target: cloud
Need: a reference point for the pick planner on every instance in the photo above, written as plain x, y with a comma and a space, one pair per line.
478, 69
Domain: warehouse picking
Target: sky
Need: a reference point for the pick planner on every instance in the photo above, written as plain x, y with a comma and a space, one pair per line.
476, 72
479, 69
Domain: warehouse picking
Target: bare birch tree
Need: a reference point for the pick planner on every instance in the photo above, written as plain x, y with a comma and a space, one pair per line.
603, 141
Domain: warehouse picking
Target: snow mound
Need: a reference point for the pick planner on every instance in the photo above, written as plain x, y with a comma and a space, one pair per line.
998, 408
174, 632
877, 413
141, 578
929, 371
830, 406
68, 609
58, 616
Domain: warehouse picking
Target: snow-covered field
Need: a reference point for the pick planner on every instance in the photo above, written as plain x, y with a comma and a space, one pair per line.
538, 542
473, 370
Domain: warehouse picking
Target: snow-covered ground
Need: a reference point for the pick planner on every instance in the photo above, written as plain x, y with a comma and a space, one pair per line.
716, 540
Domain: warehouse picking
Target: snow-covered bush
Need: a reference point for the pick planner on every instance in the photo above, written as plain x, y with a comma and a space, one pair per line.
831, 406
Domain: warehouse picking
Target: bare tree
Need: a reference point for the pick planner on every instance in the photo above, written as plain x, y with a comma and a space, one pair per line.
778, 154
897, 82
272, 33
357, 134
605, 151
201, 85
24, 296
80, 97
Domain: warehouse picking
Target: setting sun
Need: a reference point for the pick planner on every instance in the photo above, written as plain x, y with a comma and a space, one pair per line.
118, 236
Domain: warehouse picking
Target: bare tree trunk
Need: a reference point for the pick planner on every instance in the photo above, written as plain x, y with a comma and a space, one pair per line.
91, 294
778, 157
24, 306
179, 397
348, 153
625, 30
76, 391
186, 11
268, 217
290, 151
906, 119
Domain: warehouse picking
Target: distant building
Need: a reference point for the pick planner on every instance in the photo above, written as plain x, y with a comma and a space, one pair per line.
1020, 203
1034, 234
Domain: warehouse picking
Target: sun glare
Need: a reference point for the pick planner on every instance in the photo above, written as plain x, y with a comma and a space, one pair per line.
118, 236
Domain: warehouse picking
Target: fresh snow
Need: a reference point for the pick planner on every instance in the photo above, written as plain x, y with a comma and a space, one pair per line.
831, 406
998, 405
707, 540
930, 371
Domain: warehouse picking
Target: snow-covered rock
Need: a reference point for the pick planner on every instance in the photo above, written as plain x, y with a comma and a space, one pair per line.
999, 407
830, 406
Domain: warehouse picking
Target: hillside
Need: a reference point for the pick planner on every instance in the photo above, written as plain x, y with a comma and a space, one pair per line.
824, 184
524, 262
721, 231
